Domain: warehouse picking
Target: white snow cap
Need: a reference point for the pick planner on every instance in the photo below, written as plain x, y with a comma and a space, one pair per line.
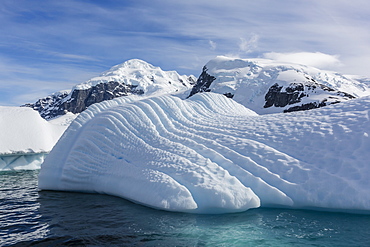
209, 154
145, 76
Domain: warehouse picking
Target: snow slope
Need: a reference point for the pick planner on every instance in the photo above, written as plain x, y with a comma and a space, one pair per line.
267, 86
25, 138
209, 154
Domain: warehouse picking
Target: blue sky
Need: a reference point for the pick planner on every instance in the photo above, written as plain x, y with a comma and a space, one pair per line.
47, 46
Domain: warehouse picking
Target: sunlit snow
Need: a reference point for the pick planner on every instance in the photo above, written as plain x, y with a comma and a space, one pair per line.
146, 77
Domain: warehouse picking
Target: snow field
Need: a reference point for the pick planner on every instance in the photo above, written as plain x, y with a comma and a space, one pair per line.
209, 154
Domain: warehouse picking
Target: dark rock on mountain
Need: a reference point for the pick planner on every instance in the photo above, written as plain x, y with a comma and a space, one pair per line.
55, 105
279, 97
203, 83
81, 99
291, 95
229, 95
50, 103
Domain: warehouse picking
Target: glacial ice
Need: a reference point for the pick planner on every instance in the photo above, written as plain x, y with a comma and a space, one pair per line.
21, 162
26, 138
24, 131
209, 154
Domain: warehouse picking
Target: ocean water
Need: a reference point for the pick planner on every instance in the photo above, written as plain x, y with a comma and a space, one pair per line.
29, 217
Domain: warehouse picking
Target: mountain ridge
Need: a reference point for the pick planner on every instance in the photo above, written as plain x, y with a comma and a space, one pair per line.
267, 86
133, 77
263, 85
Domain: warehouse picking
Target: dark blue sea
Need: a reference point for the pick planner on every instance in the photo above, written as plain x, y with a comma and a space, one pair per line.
29, 217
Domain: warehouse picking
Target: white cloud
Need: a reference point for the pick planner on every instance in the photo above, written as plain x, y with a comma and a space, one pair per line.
213, 45
314, 59
73, 56
250, 45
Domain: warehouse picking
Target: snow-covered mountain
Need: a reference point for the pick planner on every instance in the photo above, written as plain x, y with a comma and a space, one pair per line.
263, 85
133, 77
267, 86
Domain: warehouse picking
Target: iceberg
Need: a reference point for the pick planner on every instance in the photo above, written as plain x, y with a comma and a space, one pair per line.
26, 138
21, 162
210, 154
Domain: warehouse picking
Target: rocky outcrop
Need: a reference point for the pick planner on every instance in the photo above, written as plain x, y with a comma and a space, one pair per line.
280, 96
48, 104
203, 83
81, 99
78, 100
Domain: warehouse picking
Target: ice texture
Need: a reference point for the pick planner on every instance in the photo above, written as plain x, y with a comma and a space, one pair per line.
21, 162
209, 154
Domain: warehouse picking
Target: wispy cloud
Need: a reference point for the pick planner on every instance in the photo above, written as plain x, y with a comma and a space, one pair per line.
315, 59
73, 56
25, 83
250, 45
212, 45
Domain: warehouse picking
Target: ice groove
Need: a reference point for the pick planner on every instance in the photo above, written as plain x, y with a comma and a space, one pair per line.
233, 163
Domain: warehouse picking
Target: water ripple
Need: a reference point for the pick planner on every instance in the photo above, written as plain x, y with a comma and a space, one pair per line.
48, 218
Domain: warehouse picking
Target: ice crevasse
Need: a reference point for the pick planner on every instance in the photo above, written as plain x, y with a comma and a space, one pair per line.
209, 154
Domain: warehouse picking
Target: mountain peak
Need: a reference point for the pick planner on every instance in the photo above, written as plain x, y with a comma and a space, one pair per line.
131, 72
133, 64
